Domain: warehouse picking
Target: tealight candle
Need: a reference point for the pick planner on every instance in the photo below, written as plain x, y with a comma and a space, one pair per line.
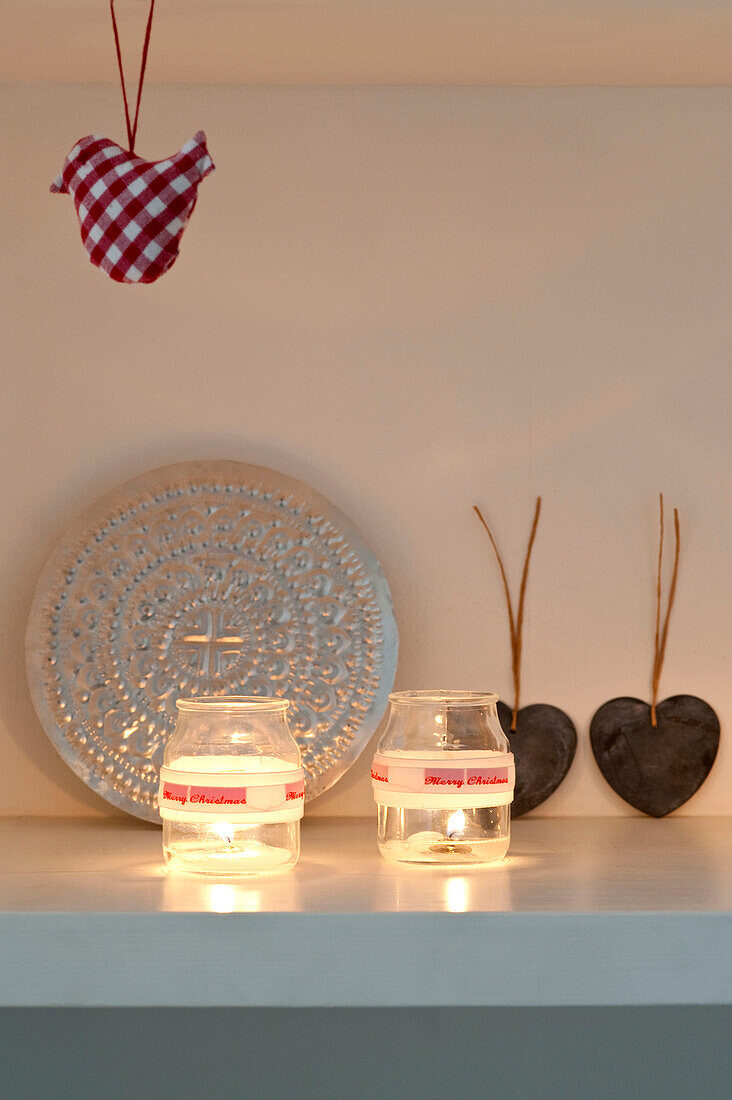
443, 779
232, 788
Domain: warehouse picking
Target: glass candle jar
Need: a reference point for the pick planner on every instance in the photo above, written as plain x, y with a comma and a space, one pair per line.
232, 789
443, 779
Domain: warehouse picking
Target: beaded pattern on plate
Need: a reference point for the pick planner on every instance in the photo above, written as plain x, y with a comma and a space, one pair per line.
203, 585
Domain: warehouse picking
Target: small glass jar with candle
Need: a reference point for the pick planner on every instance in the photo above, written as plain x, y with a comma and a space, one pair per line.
443, 778
232, 789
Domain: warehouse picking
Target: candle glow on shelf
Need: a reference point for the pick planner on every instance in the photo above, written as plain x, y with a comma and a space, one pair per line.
232, 789
443, 779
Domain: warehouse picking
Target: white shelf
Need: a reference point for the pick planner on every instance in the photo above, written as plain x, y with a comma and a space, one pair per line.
584, 911
535, 42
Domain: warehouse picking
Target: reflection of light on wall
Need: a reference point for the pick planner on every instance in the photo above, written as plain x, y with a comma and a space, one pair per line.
457, 895
222, 898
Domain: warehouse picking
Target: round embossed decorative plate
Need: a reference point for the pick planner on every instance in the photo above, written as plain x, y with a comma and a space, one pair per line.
207, 578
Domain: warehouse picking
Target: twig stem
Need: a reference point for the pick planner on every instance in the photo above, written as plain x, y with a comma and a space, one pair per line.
515, 621
661, 635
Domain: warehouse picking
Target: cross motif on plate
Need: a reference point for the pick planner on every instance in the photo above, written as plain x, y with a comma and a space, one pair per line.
212, 643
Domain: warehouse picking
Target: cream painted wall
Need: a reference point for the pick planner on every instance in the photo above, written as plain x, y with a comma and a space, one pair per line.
496, 42
413, 299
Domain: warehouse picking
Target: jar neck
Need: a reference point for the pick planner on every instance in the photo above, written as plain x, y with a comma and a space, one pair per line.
222, 727
243, 705
438, 722
451, 699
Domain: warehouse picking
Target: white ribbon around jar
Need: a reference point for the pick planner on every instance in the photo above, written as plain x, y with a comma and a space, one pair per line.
208, 789
443, 779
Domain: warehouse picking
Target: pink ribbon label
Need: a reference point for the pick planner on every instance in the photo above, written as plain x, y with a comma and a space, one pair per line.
180, 796
465, 777
484, 779
417, 779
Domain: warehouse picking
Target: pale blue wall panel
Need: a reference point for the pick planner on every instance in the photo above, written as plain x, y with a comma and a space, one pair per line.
329, 1054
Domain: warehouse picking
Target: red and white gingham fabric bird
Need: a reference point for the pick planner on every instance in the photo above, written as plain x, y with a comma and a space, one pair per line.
132, 212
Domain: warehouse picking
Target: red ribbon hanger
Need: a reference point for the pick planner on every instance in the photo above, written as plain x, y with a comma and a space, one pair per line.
132, 127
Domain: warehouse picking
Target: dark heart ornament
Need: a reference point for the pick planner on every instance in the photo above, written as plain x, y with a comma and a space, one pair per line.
543, 744
545, 740
656, 769
657, 756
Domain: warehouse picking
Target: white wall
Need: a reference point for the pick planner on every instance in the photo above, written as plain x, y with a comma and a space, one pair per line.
412, 299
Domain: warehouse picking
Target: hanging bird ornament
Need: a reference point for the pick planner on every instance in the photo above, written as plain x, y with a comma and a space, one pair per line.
132, 212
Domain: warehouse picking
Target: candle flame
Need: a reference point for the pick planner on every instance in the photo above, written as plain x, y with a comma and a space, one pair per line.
455, 824
226, 832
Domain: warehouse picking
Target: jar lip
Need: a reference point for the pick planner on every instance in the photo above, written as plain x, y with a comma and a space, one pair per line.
444, 698
233, 704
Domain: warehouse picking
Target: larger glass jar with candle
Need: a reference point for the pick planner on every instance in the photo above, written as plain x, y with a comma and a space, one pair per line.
443, 778
232, 788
